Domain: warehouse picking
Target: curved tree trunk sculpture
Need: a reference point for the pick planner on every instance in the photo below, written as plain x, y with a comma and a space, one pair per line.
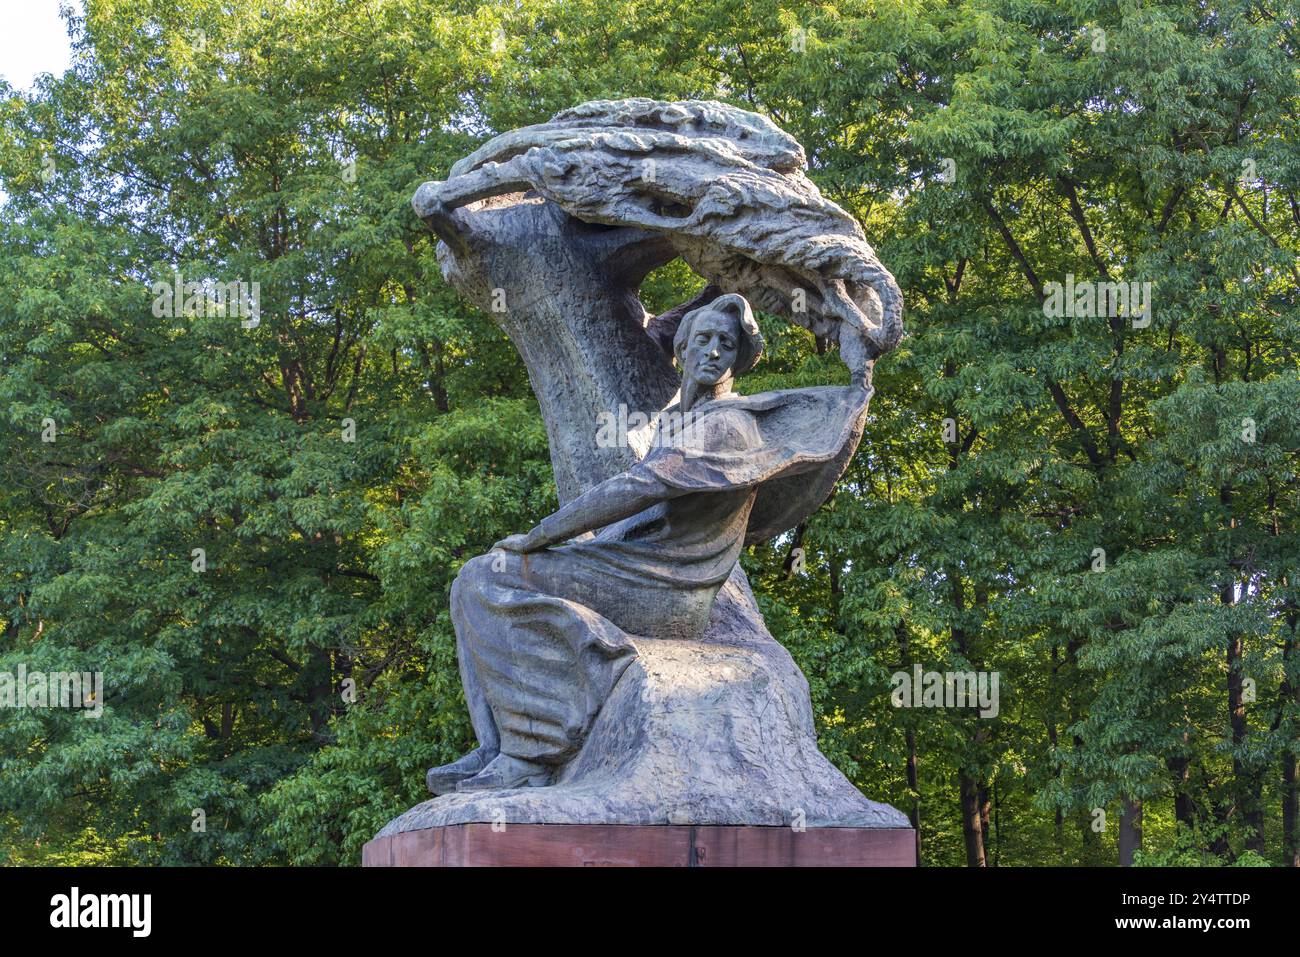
552, 229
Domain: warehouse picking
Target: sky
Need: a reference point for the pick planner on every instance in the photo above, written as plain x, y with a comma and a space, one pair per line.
33, 40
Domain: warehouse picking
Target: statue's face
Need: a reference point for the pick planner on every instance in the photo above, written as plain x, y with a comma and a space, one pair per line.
710, 352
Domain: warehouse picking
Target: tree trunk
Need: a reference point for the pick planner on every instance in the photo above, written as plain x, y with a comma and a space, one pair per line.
915, 816
1130, 831
972, 828
1291, 755
1053, 738
1180, 777
1246, 781
1290, 810
985, 807
909, 737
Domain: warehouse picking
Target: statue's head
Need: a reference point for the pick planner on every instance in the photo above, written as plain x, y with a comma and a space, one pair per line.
718, 342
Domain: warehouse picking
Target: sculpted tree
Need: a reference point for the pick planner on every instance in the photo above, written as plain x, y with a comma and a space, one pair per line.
552, 228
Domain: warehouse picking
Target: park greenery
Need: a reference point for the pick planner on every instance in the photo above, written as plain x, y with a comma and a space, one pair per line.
1102, 509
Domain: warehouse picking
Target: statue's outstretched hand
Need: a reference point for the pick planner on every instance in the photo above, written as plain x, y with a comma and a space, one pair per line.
530, 542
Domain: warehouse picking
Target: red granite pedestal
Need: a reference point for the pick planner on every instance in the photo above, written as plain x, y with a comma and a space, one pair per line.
632, 845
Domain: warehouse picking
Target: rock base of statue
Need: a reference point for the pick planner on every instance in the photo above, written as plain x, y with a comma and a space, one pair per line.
614, 845
716, 732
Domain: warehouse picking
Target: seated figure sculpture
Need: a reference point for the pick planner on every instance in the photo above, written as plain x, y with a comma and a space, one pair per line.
542, 621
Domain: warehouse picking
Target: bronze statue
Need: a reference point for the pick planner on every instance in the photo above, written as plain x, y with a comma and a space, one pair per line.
541, 626
615, 664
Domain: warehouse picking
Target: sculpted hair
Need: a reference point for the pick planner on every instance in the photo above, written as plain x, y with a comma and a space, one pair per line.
750, 347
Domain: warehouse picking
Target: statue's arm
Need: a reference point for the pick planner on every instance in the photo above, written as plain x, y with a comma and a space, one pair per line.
611, 501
